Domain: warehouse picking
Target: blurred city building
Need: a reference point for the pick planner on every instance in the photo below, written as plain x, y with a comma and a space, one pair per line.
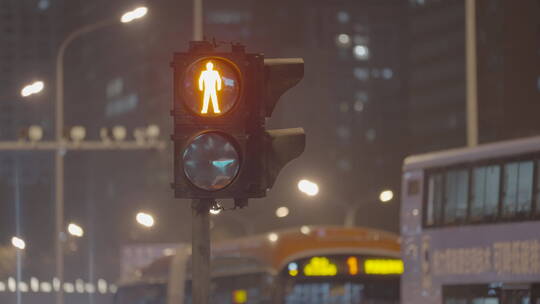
115, 76
508, 39
351, 101
383, 79
436, 82
508, 63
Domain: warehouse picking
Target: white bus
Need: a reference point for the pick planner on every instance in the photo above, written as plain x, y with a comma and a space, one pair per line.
470, 225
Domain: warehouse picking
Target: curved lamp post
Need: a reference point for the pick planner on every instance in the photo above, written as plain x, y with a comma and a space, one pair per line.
59, 158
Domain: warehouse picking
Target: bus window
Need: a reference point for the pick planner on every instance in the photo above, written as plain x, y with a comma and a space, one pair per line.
485, 192
525, 188
435, 197
485, 301
518, 184
456, 193
241, 289
142, 294
472, 294
455, 301
538, 193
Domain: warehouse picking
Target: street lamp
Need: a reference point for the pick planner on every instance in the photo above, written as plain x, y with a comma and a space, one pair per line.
145, 219
282, 212
59, 127
273, 237
33, 88
386, 195
308, 187
18, 243
75, 230
134, 14
305, 230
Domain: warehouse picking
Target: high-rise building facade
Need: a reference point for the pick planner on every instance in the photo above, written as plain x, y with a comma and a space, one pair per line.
508, 43
436, 81
115, 76
351, 101
508, 69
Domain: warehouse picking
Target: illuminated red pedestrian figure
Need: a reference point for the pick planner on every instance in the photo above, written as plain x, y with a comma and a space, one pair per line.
210, 83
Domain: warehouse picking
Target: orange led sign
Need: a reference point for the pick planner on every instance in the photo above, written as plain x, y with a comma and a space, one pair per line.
353, 265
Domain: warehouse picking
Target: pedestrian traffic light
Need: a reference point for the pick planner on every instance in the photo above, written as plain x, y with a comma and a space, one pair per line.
221, 102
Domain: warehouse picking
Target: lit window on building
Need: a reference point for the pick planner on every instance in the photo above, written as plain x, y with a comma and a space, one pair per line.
121, 105
361, 39
44, 4
361, 96
228, 17
371, 134
420, 3
343, 40
343, 17
387, 73
452, 122
344, 107
361, 52
344, 165
361, 74
343, 132
115, 87
358, 106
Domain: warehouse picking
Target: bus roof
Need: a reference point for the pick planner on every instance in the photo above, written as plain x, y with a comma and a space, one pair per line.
464, 155
292, 244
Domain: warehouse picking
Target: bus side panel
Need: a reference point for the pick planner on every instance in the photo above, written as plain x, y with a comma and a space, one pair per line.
416, 287
479, 254
485, 254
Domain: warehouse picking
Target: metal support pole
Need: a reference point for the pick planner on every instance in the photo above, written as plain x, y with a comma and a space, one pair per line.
198, 20
472, 73
59, 229
350, 215
59, 157
200, 251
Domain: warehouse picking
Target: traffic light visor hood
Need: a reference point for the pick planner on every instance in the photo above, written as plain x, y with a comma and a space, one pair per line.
281, 74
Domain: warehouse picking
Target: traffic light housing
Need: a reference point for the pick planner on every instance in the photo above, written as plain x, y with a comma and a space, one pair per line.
221, 102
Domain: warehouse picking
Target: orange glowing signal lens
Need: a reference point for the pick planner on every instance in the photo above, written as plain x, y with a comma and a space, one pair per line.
211, 86
210, 82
